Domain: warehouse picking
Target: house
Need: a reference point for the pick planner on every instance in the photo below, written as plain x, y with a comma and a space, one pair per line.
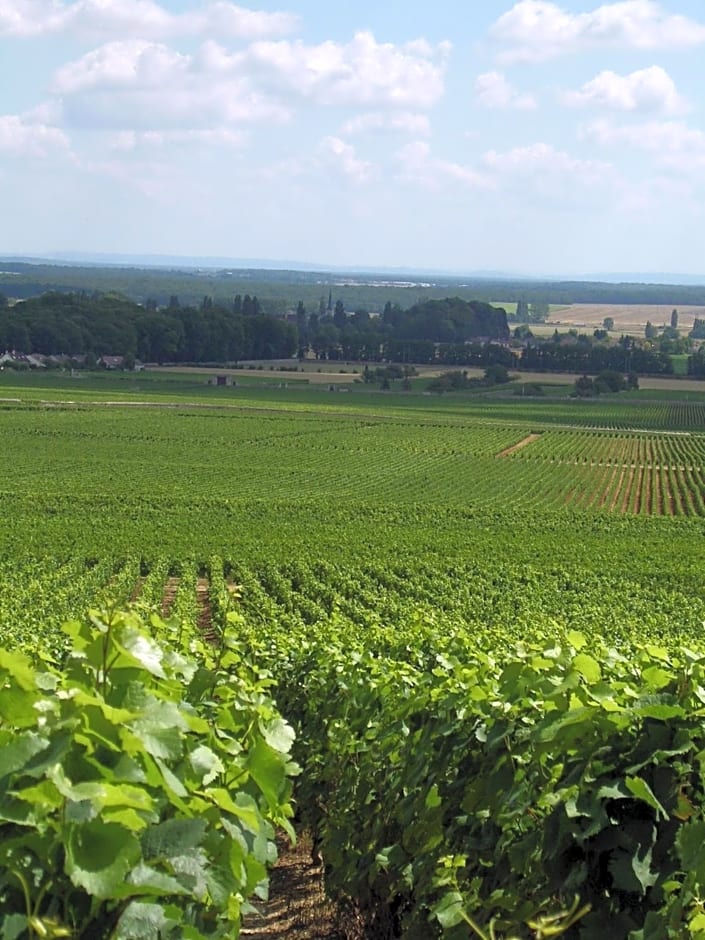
111, 362
14, 358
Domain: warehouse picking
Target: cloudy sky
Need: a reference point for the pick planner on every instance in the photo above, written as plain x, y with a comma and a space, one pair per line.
533, 136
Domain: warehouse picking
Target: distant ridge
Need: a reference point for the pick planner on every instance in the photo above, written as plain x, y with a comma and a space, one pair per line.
195, 262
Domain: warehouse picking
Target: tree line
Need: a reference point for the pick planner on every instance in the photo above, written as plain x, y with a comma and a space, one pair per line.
73, 324
584, 355
280, 289
78, 324
450, 332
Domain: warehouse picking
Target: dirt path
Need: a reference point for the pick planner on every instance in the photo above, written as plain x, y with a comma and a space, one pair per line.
169, 596
136, 590
515, 447
205, 614
297, 908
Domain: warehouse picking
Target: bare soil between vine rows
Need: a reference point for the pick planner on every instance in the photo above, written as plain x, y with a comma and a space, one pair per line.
297, 908
507, 452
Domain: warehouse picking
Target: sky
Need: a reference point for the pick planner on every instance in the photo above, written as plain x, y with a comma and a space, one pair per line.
531, 137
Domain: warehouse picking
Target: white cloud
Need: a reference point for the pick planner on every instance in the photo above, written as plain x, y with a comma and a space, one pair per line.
406, 122
650, 89
418, 165
673, 143
227, 19
536, 30
492, 90
29, 17
344, 157
544, 160
147, 86
131, 63
26, 138
360, 72
128, 141
111, 19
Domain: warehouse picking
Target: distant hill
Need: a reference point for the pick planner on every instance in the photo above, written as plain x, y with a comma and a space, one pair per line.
280, 290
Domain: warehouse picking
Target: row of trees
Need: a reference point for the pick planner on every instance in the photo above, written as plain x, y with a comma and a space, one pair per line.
450, 332
586, 356
608, 381
78, 324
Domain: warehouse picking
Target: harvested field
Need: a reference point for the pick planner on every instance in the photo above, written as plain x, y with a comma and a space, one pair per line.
630, 318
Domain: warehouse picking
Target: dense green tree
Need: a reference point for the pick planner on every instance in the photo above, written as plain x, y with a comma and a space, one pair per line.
340, 317
538, 311
698, 331
584, 387
302, 329
496, 374
696, 363
609, 380
325, 342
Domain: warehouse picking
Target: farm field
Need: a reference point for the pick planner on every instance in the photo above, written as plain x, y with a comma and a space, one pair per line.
628, 318
455, 602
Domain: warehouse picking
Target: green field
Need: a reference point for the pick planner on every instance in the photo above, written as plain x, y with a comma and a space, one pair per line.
474, 611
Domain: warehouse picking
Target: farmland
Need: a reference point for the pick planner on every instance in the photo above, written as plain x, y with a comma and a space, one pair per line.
627, 318
447, 598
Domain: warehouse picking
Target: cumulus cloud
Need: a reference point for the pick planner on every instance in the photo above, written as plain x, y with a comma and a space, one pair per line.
129, 141
406, 122
674, 143
650, 89
142, 84
492, 90
344, 157
544, 160
360, 72
144, 18
22, 137
536, 30
148, 86
418, 165
116, 65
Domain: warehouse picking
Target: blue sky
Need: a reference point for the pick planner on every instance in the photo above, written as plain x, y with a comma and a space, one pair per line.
532, 136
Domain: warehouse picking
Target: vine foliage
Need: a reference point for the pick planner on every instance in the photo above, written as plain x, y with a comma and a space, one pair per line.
140, 786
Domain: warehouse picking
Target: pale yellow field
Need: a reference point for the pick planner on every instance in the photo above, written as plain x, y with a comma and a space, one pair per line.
627, 318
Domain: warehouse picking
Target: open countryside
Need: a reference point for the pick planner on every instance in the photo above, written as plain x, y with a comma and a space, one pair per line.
627, 318
352, 470
438, 591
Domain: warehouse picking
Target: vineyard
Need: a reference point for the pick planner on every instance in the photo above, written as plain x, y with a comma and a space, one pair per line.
458, 643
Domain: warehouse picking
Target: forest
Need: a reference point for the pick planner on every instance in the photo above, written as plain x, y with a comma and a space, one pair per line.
281, 289
451, 332
81, 324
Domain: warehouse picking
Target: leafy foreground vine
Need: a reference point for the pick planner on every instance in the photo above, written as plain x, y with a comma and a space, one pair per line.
461, 786
140, 786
